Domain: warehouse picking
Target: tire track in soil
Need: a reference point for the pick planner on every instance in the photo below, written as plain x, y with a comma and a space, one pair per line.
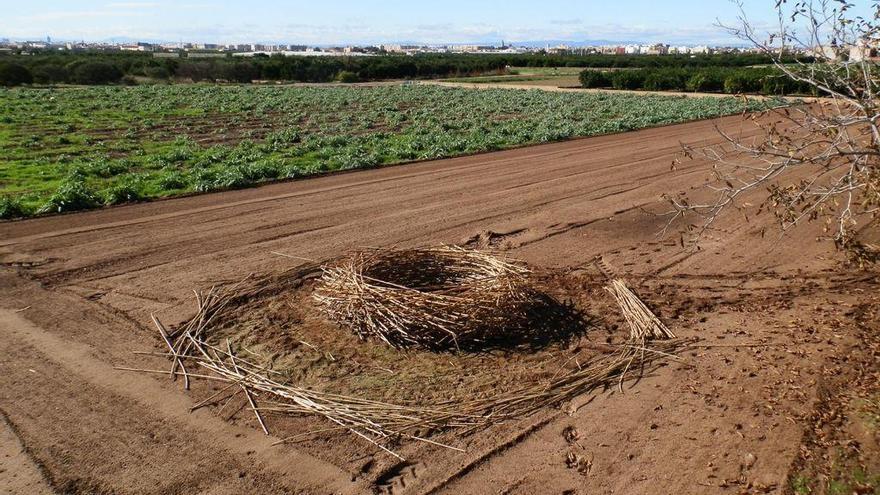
19, 473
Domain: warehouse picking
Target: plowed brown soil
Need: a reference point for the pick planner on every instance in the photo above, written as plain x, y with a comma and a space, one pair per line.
775, 316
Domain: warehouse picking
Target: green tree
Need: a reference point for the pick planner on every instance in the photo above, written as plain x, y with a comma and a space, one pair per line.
12, 74
96, 73
159, 72
628, 79
347, 76
50, 74
595, 79
242, 72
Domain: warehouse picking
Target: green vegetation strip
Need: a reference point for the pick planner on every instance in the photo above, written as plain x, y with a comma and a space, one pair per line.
90, 68
79, 148
732, 80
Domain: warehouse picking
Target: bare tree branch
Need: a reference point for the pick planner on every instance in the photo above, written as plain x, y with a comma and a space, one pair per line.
819, 160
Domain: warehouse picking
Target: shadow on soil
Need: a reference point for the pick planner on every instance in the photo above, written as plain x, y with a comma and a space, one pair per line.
544, 321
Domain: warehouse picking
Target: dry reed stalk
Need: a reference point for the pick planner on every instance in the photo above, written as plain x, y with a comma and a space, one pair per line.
643, 323
377, 422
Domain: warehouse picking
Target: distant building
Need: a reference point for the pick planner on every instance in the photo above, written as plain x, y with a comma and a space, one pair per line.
655, 49
206, 55
400, 48
865, 50
137, 47
472, 48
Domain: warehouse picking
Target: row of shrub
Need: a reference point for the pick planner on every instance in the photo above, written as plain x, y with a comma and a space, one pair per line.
53, 70
80, 72
105, 68
766, 81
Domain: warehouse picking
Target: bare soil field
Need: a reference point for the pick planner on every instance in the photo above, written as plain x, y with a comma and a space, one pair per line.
779, 393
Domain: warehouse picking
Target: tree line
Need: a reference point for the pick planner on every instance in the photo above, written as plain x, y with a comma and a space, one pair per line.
112, 68
734, 80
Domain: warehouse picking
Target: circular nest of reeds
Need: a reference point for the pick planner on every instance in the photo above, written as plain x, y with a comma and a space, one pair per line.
438, 298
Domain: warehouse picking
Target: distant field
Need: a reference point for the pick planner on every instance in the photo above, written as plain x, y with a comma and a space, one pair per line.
558, 77
551, 81
79, 148
530, 76
546, 71
508, 78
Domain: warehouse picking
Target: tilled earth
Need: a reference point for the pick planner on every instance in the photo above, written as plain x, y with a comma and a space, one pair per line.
779, 395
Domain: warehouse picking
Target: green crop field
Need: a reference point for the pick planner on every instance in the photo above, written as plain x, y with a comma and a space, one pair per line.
78, 148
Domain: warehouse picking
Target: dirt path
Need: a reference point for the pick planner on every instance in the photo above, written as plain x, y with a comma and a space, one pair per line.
90, 281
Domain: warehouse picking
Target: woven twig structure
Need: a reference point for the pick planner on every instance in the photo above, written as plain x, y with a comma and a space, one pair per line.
438, 298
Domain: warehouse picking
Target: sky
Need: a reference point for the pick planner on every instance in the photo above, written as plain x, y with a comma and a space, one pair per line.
323, 22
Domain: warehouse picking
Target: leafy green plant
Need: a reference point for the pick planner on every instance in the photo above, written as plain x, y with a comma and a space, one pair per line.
105, 168
264, 170
12, 207
71, 195
126, 190
235, 177
173, 179
204, 180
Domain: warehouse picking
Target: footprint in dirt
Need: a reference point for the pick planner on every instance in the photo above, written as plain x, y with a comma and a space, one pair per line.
488, 239
398, 478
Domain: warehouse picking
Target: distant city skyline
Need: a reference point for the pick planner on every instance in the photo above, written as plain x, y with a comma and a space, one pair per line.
365, 22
